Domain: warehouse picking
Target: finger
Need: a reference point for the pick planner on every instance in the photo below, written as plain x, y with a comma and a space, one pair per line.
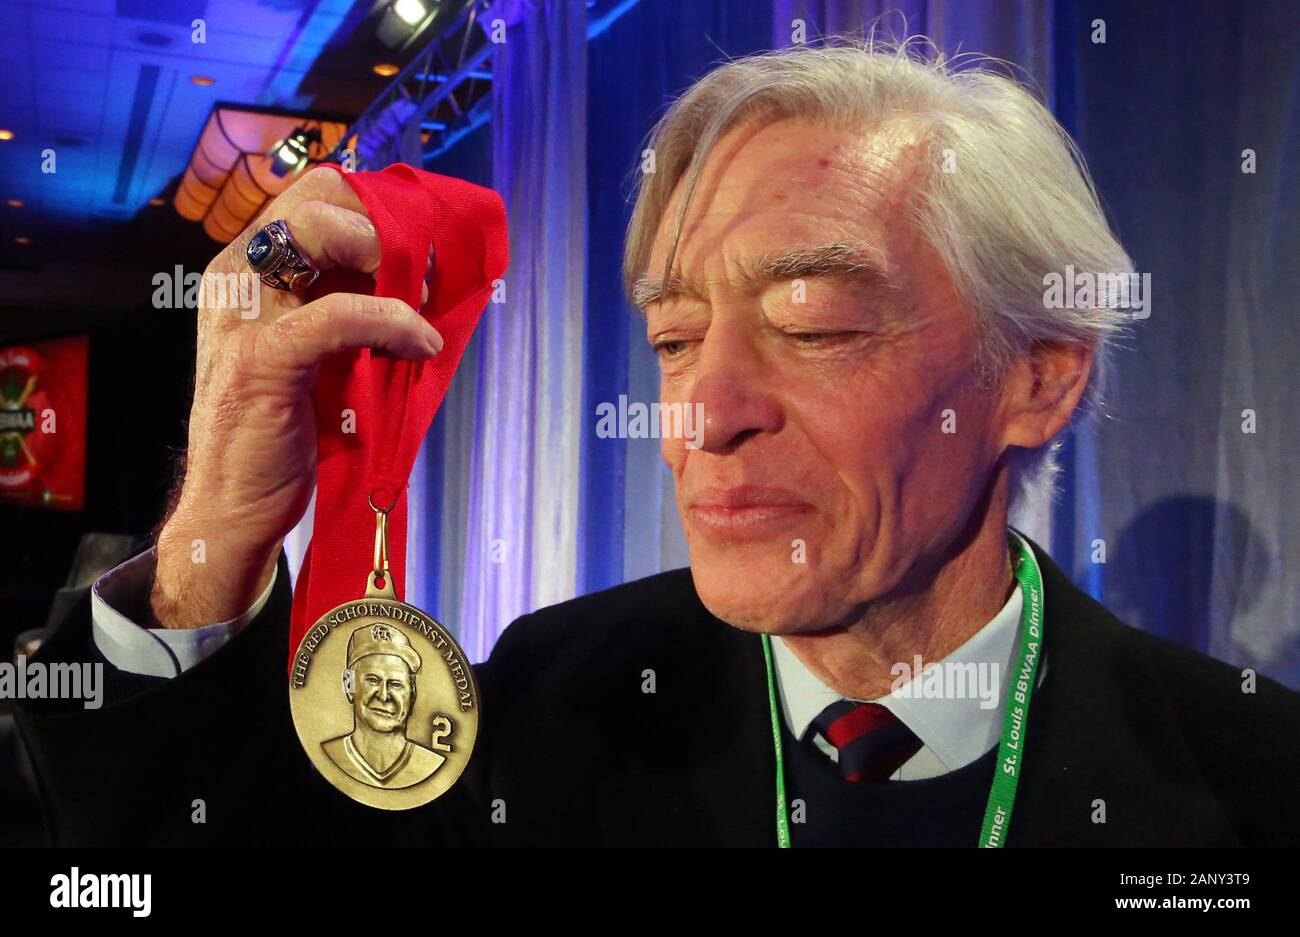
343, 321
318, 184
331, 236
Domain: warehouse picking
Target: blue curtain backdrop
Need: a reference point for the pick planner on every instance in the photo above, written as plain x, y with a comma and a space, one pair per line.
1189, 116
1171, 513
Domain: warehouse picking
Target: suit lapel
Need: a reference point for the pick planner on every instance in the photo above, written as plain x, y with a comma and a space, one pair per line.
696, 767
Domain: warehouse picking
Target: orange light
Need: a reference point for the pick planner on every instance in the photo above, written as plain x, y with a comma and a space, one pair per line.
230, 178
386, 69
15, 203
157, 201
6, 134
201, 80
22, 240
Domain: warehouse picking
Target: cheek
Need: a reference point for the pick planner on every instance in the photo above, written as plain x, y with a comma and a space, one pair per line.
862, 424
933, 451
880, 432
672, 451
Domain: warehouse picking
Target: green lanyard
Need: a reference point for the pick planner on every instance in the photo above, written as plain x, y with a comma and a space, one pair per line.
1002, 795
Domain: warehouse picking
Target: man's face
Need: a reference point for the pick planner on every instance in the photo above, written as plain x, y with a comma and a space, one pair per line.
381, 699
825, 478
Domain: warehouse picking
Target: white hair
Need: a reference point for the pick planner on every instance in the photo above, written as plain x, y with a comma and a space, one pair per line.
1016, 204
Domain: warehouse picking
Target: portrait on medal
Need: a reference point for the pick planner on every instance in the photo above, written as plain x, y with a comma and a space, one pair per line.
380, 685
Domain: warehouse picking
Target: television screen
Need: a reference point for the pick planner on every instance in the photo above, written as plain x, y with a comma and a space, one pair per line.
43, 424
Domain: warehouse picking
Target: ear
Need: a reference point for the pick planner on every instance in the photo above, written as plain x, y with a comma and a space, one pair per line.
1042, 390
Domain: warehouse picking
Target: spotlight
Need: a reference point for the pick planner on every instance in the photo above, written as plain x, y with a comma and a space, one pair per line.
404, 20
410, 11
6, 134
157, 201
386, 70
290, 154
22, 240
201, 80
15, 203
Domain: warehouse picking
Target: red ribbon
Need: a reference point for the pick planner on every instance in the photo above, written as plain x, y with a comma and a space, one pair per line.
393, 400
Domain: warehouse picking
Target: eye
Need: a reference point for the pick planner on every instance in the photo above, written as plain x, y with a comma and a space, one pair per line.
819, 338
811, 338
372, 680
669, 348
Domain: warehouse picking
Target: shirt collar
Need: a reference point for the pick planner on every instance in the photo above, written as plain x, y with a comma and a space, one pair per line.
958, 730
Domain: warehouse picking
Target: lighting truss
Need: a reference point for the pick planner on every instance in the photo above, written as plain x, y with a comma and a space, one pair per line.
445, 87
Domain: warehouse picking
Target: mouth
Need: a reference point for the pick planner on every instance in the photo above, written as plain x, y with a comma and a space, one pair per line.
746, 511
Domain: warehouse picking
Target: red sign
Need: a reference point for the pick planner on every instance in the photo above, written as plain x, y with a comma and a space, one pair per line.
43, 424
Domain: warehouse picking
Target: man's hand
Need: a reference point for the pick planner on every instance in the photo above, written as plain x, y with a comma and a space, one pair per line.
252, 433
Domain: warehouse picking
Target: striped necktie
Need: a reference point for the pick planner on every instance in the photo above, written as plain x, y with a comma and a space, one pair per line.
871, 741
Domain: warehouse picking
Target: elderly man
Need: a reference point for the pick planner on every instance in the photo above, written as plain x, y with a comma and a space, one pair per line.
380, 687
842, 258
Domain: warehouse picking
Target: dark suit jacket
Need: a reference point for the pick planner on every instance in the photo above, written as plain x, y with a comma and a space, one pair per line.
571, 750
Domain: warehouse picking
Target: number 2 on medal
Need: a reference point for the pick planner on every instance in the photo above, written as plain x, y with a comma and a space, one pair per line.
441, 729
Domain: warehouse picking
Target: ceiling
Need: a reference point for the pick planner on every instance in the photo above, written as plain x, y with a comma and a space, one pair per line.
101, 92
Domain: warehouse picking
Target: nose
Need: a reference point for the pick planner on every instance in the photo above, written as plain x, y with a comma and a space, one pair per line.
735, 389
383, 691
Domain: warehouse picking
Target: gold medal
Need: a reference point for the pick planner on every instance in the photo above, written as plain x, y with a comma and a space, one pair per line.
382, 697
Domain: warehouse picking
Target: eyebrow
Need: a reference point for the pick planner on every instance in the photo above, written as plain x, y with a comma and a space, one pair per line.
837, 259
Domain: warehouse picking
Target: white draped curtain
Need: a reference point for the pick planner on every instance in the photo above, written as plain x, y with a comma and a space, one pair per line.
510, 484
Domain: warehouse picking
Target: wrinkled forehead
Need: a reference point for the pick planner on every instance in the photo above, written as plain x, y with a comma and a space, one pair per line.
779, 182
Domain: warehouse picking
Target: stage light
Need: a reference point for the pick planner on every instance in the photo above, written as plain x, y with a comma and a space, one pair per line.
291, 152
231, 175
6, 134
404, 20
201, 80
157, 201
15, 203
22, 240
411, 11
386, 70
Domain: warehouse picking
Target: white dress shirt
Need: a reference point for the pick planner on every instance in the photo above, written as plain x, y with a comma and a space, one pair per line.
153, 652
953, 731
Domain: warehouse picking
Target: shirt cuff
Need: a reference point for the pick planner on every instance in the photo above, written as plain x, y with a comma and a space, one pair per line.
153, 652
